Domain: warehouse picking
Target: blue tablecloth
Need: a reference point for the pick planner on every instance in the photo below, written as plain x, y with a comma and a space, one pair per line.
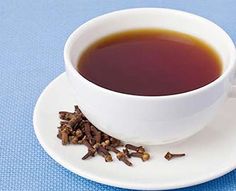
32, 37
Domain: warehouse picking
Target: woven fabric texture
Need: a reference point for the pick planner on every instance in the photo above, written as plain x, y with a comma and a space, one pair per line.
32, 38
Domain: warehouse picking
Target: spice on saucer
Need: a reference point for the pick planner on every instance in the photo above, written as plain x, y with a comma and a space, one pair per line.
170, 156
76, 129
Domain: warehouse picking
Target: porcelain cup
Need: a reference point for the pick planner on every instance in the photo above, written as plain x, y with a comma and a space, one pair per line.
150, 120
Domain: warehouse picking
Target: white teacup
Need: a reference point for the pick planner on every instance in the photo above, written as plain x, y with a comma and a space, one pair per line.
150, 119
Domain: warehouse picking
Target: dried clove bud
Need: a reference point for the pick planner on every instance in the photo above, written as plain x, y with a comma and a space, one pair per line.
74, 140
75, 119
139, 149
77, 110
98, 137
97, 134
88, 154
82, 140
72, 133
115, 142
63, 123
126, 152
104, 153
144, 156
169, 155
87, 131
66, 128
87, 144
78, 133
64, 115
105, 137
105, 143
65, 131
64, 137
113, 149
91, 150
94, 130
120, 156
76, 126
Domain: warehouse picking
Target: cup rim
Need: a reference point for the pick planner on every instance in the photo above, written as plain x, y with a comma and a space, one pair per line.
71, 40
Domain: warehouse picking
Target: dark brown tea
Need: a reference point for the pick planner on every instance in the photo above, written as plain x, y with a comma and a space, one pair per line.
150, 62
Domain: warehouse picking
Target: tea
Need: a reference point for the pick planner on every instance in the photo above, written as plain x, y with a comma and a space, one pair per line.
150, 62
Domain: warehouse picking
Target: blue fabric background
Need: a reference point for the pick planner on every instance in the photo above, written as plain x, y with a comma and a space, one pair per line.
32, 37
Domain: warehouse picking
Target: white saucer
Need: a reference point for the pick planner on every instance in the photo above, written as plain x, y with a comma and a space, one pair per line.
210, 154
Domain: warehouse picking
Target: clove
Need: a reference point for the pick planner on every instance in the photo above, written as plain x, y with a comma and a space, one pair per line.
105, 143
170, 156
77, 110
115, 142
64, 115
74, 120
64, 131
139, 149
105, 137
104, 153
63, 122
91, 151
126, 152
144, 156
64, 137
78, 133
97, 134
120, 156
87, 131
74, 140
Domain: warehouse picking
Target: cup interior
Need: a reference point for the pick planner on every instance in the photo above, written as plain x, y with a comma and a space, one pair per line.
150, 18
